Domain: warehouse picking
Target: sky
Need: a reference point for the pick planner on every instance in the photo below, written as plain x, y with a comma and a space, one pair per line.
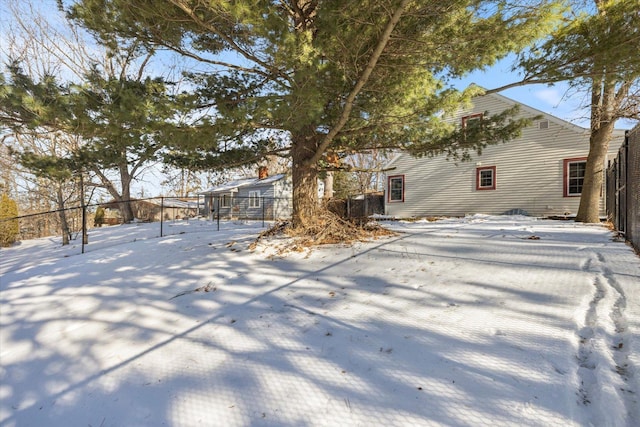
482, 320
556, 100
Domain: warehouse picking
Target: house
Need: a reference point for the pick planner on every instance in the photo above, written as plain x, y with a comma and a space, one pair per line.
264, 196
540, 173
152, 209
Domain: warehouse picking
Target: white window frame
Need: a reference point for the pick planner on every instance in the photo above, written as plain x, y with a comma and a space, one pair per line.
254, 199
225, 200
567, 185
479, 172
390, 197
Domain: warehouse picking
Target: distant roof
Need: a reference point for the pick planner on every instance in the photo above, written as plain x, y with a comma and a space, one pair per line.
167, 202
233, 186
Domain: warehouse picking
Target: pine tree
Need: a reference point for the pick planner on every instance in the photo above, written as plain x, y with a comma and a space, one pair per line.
309, 77
9, 229
123, 120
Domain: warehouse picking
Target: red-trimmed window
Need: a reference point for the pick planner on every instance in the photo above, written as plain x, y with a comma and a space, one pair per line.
573, 176
471, 120
486, 178
396, 189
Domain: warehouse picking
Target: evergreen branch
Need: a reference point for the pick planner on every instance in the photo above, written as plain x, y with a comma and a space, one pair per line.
534, 80
524, 82
144, 64
362, 80
202, 59
181, 4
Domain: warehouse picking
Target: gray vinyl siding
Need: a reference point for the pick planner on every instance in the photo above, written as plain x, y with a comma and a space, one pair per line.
529, 172
275, 201
276, 197
283, 199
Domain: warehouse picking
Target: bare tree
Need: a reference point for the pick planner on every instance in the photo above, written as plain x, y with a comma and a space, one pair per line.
102, 83
596, 52
43, 49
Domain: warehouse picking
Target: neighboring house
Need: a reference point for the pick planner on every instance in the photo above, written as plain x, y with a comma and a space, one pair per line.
540, 173
268, 197
150, 210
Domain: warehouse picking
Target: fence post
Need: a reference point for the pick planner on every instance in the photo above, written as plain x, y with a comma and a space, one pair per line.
85, 237
218, 211
366, 206
161, 214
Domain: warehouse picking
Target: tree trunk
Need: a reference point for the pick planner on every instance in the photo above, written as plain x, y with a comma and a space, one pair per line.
121, 198
126, 209
62, 214
305, 180
602, 126
589, 210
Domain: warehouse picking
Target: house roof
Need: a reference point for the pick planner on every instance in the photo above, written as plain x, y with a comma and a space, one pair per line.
233, 186
528, 109
549, 116
167, 202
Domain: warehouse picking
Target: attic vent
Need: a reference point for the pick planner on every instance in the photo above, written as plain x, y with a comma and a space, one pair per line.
544, 124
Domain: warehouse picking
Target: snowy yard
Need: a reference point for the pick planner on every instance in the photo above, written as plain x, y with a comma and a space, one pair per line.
496, 321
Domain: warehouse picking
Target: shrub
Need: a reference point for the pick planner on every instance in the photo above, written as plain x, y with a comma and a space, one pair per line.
98, 219
8, 229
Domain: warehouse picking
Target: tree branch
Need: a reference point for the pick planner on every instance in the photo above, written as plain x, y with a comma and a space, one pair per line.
364, 77
523, 83
181, 4
211, 61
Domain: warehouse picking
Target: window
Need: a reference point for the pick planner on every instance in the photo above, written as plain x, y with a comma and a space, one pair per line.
254, 199
574, 176
225, 201
486, 178
470, 124
471, 120
396, 188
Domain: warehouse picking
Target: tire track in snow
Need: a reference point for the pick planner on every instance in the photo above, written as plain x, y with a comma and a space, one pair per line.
586, 350
621, 343
603, 370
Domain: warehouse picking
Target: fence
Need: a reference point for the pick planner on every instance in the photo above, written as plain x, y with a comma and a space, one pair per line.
623, 188
168, 213
219, 207
361, 206
72, 223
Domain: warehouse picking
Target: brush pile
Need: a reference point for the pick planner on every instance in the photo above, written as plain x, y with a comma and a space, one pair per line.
326, 228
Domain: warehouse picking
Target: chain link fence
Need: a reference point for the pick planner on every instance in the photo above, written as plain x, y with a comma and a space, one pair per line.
225, 207
359, 207
623, 188
146, 218
161, 216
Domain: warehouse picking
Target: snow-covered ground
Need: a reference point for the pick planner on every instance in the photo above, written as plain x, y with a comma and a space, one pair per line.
496, 321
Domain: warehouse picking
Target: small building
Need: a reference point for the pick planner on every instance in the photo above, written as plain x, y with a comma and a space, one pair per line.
539, 173
151, 210
262, 197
